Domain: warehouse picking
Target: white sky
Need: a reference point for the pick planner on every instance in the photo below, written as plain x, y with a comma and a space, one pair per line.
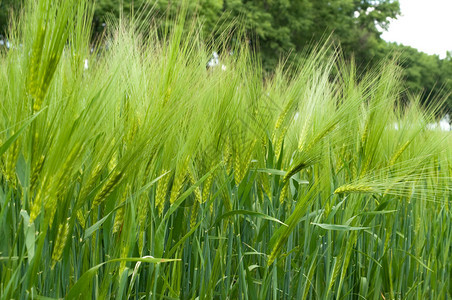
424, 24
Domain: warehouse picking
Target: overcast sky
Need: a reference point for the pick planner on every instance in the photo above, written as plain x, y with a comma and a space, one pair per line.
425, 25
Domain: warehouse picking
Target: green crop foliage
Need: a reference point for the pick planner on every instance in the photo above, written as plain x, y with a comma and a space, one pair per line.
148, 176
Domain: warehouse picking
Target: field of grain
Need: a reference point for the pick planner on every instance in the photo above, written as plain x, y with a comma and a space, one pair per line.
145, 175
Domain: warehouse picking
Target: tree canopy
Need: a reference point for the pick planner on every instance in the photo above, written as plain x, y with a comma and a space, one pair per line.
279, 29
6, 8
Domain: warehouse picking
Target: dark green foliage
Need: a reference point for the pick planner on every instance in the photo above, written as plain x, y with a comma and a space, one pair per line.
425, 74
286, 29
276, 28
6, 7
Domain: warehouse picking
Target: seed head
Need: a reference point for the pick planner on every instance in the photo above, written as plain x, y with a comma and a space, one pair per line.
160, 194
80, 218
109, 186
36, 206
354, 188
398, 153
178, 183
119, 219
194, 214
60, 242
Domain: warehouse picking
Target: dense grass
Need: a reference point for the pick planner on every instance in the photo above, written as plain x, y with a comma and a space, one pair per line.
148, 176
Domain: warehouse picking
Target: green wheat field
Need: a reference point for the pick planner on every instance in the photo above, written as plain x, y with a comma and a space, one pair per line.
146, 175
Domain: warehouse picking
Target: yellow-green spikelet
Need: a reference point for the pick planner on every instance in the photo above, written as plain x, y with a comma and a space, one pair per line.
336, 268
266, 186
282, 116
280, 141
36, 171
160, 194
197, 191
60, 242
119, 217
365, 133
284, 191
113, 162
50, 206
207, 187
399, 153
124, 254
11, 163
108, 187
119, 220
354, 188
65, 173
194, 214
142, 209
36, 206
35, 61
81, 218
91, 182
178, 183
241, 164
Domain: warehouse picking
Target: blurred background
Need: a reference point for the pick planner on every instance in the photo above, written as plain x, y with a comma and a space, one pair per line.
367, 31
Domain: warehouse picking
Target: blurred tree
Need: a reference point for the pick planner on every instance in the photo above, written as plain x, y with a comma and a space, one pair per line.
278, 29
6, 7
425, 74
274, 27
283, 26
106, 9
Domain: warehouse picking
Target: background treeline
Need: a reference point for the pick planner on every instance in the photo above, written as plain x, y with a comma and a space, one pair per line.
287, 29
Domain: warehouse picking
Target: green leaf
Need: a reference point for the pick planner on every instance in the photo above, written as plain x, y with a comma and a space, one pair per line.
339, 227
93, 228
272, 171
43, 298
381, 212
247, 212
21, 169
160, 232
183, 239
416, 258
83, 282
15, 136
281, 173
29, 232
